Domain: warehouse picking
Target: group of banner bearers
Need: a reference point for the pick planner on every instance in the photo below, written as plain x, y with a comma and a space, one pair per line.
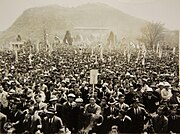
136, 91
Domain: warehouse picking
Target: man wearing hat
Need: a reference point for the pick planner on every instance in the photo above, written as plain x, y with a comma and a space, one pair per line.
166, 92
175, 98
79, 114
53, 102
111, 113
160, 86
150, 101
68, 115
51, 124
138, 115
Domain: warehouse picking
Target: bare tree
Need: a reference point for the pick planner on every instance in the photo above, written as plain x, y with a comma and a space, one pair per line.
151, 33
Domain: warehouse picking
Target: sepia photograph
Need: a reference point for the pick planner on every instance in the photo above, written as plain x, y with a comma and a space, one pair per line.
89, 67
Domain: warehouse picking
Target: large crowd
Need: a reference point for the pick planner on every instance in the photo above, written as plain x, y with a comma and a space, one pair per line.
52, 93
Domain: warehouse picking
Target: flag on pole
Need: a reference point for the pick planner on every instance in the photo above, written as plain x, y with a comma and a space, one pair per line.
96, 62
124, 53
101, 51
16, 56
144, 54
160, 53
143, 61
157, 49
137, 59
174, 50
30, 56
128, 53
37, 47
129, 57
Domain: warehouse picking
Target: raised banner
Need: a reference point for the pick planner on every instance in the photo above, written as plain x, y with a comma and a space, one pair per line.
93, 76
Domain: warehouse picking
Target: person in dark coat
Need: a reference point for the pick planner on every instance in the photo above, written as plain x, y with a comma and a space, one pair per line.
52, 124
15, 116
150, 101
175, 99
32, 121
3, 119
160, 121
68, 115
79, 115
139, 117
174, 121
53, 102
123, 122
111, 113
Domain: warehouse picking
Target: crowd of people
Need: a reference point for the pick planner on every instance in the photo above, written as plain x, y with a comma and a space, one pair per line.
52, 93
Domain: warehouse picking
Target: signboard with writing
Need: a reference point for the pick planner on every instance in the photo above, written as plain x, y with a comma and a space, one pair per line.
93, 76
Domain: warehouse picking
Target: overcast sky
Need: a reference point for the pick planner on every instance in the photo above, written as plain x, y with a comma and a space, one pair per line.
164, 11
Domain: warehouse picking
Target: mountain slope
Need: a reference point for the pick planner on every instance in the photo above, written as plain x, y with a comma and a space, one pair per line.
56, 20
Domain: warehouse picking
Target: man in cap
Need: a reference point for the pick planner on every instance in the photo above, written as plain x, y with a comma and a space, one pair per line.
175, 98
52, 124
166, 92
68, 115
79, 114
111, 113
160, 86
53, 102
150, 101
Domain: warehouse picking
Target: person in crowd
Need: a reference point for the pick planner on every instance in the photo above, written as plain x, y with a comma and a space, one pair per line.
53, 102
123, 122
150, 100
111, 113
121, 105
52, 124
92, 112
160, 121
54, 80
173, 120
79, 115
166, 93
68, 112
32, 121
138, 114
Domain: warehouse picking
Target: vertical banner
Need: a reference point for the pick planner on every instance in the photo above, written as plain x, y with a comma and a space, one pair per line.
93, 76
16, 56
174, 50
37, 47
157, 49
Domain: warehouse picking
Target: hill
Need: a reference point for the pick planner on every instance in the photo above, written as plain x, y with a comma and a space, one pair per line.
56, 20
